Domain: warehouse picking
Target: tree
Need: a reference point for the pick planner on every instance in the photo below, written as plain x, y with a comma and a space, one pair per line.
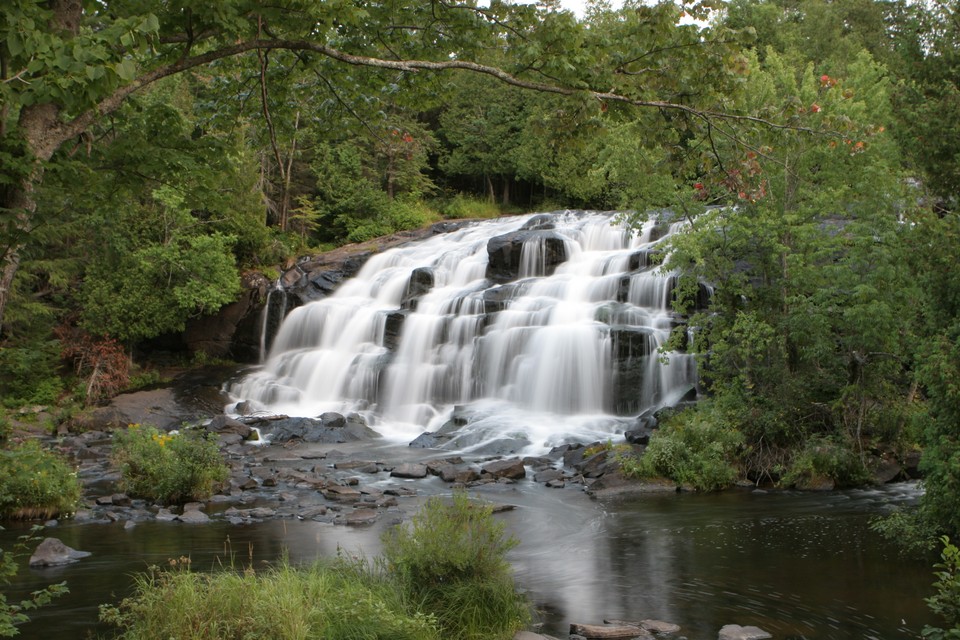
805, 340
67, 64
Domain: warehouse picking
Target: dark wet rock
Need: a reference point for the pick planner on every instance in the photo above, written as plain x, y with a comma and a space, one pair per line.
736, 632
436, 467
556, 484
911, 464
222, 424
512, 469
614, 484
191, 399
540, 221
548, 475
421, 281
504, 253
409, 470
499, 298
329, 428
52, 552
392, 327
884, 470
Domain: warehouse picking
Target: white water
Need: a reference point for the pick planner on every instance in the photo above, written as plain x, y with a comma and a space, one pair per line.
540, 372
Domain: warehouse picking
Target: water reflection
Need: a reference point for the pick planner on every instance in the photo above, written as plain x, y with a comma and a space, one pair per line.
798, 565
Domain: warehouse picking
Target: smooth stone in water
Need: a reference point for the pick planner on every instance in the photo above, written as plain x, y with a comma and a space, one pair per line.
736, 632
53, 552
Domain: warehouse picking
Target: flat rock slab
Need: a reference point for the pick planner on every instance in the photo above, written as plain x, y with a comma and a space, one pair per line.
52, 552
736, 632
512, 469
608, 632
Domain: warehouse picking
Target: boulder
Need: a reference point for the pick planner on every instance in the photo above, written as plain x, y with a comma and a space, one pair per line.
421, 281
505, 254
512, 469
412, 470
52, 552
329, 428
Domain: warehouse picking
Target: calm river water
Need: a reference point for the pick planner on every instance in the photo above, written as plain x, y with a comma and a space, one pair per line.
799, 565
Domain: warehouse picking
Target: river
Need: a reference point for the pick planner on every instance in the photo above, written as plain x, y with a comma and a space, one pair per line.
800, 565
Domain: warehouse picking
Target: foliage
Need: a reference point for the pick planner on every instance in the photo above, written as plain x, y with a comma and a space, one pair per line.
29, 374
826, 459
692, 449
11, 613
36, 483
452, 561
101, 361
946, 602
340, 600
165, 467
461, 206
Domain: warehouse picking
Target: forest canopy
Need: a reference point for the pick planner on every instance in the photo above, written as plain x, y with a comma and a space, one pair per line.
152, 152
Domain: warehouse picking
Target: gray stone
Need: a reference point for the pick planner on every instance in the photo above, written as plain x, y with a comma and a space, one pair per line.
194, 516
413, 470
736, 632
53, 552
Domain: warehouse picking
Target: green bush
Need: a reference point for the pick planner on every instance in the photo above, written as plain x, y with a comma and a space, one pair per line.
825, 459
946, 602
36, 483
462, 206
28, 374
167, 468
692, 449
343, 600
452, 561
12, 613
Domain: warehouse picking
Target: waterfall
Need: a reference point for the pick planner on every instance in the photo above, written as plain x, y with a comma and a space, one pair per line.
535, 330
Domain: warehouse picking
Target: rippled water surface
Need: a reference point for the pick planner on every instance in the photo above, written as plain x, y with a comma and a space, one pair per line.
797, 565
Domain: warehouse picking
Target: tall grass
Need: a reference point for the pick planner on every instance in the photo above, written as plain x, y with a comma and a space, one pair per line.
339, 600
444, 576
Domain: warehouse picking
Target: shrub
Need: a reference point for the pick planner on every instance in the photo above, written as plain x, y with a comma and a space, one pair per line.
691, 449
167, 468
36, 483
452, 561
343, 600
462, 206
12, 614
825, 459
946, 602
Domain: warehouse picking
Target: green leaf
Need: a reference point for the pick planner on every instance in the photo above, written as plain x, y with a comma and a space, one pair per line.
127, 70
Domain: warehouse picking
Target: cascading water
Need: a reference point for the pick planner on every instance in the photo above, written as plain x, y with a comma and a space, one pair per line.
515, 334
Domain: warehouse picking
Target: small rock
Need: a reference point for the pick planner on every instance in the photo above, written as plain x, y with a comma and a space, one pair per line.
165, 515
53, 552
194, 516
736, 632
